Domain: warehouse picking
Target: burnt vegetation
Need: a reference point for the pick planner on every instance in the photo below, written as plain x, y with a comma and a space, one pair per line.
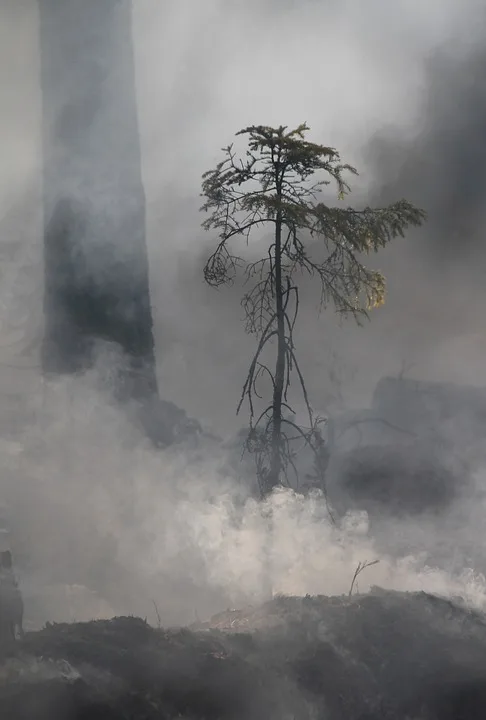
341, 658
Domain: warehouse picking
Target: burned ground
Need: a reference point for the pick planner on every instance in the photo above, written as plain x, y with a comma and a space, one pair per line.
381, 655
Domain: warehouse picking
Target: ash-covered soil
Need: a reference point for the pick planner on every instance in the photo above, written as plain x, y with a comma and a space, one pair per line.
379, 656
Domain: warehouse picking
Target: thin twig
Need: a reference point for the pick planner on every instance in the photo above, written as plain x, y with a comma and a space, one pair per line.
159, 621
361, 566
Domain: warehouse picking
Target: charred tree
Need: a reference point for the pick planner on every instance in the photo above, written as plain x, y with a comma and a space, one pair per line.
275, 186
96, 268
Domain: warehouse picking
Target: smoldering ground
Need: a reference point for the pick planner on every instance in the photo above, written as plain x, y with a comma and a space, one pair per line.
142, 527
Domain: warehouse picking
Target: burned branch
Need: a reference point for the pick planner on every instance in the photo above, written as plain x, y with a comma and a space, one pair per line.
359, 569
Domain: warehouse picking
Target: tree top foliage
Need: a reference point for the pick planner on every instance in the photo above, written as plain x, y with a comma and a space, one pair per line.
275, 183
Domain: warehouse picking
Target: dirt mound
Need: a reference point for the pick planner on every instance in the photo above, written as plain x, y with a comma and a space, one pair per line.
383, 655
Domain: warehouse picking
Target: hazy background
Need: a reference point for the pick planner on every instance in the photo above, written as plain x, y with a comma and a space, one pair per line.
400, 90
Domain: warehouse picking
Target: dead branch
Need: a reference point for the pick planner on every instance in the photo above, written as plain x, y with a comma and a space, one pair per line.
361, 566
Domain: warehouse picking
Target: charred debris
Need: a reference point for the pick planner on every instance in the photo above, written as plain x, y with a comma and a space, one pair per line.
366, 657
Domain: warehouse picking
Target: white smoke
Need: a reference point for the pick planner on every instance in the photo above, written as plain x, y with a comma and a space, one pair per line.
91, 503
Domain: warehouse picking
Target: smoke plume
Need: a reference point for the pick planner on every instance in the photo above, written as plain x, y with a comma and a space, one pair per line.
399, 89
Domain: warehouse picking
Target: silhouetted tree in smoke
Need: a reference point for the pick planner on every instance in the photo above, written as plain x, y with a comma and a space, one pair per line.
96, 269
274, 185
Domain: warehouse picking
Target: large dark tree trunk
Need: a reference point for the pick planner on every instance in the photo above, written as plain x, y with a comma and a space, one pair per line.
96, 270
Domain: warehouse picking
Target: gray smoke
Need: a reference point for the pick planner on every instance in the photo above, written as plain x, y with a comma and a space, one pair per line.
391, 86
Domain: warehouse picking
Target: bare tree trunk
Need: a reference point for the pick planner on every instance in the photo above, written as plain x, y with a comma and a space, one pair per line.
96, 268
279, 380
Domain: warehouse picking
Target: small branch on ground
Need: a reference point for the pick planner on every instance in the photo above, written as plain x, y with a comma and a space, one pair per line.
159, 621
361, 566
